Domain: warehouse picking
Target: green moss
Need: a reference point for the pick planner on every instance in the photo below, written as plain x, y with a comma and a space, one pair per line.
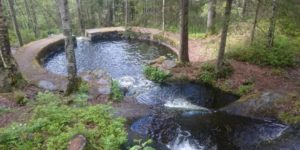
116, 92
155, 74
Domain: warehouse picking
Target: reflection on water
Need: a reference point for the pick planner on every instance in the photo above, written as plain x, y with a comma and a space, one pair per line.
207, 130
119, 57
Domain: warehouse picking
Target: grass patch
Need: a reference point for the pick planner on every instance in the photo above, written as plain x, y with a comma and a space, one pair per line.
283, 54
245, 89
197, 35
116, 92
4, 110
155, 74
54, 123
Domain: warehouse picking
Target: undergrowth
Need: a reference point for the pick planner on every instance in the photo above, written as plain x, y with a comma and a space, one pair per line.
155, 74
208, 74
54, 122
116, 92
282, 54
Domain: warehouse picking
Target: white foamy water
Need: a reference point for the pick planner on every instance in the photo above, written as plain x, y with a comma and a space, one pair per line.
183, 104
184, 141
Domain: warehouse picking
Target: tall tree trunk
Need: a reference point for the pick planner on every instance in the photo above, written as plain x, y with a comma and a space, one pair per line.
80, 19
9, 74
126, 13
113, 12
211, 17
34, 19
14, 21
110, 13
184, 32
28, 14
163, 15
31, 17
255, 21
69, 46
272, 25
244, 9
220, 60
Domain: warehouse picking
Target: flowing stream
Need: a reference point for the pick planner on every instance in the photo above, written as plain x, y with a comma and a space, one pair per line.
184, 115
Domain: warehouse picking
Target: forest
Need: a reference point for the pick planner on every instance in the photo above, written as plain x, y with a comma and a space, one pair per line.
149, 74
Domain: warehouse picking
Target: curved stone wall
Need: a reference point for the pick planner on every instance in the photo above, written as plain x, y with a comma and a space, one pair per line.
30, 57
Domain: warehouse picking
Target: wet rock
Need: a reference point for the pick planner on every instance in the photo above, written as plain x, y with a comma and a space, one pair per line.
47, 85
99, 81
126, 82
77, 143
158, 60
254, 106
168, 64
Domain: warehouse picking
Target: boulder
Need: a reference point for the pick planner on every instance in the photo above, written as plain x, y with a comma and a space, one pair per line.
255, 106
99, 81
126, 82
47, 85
168, 64
77, 143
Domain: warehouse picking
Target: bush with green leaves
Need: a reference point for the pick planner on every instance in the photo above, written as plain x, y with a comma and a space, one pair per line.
283, 54
155, 74
20, 97
116, 92
54, 124
209, 75
244, 89
142, 145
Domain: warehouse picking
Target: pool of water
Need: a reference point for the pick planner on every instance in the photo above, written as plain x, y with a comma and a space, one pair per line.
184, 115
118, 57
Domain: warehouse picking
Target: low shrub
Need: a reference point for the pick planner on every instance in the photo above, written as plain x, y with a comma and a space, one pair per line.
197, 35
244, 89
155, 74
209, 75
20, 97
116, 92
53, 124
283, 54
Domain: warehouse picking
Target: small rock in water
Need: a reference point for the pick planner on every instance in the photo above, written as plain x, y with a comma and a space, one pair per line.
47, 85
126, 82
